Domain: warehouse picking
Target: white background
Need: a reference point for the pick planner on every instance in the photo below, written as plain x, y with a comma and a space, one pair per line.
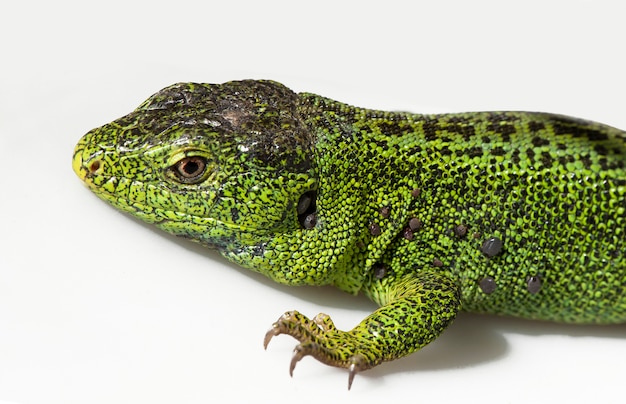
98, 308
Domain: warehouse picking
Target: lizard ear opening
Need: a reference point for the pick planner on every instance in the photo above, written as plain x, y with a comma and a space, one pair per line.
307, 207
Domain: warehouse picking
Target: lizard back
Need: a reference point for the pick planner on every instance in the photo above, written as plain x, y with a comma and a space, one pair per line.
527, 210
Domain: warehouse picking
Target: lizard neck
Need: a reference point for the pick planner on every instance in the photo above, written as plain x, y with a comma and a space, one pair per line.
365, 186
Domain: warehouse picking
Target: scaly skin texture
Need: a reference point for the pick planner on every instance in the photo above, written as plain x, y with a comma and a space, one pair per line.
510, 213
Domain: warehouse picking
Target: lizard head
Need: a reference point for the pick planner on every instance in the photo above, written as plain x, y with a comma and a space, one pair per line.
228, 165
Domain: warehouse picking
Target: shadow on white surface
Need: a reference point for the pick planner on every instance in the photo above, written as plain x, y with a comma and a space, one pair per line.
473, 339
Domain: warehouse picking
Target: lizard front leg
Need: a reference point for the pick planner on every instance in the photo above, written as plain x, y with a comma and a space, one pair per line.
414, 310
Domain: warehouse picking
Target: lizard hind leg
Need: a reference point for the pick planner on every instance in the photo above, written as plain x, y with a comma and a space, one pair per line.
414, 310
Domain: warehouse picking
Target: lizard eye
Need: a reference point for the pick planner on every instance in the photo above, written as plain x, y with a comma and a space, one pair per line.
189, 170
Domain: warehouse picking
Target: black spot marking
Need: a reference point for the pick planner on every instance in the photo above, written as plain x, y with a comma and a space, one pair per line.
539, 141
561, 128
474, 151
375, 229
515, 158
503, 128
380, 271
601, 150
577, 130
488, 285
415, 224
498, 151
533, 283
408, 234
536, 126
392, 128
430, 129
464, 130
460, 230
492, 247
593, 134
546, 159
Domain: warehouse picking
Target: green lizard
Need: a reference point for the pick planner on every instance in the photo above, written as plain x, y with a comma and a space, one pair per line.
511, 213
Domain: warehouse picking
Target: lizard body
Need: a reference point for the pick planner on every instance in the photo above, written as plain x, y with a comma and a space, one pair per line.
510, 213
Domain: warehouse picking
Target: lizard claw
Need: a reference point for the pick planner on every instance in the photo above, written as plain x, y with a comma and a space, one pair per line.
351, 375
271, 333
357, 363
279, 327
298, 353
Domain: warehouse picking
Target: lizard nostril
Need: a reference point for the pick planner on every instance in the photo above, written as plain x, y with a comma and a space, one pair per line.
94, 166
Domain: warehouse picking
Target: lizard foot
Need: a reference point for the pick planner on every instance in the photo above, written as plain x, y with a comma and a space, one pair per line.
320, 339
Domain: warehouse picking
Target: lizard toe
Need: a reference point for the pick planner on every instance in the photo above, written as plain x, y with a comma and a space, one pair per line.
324, 321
